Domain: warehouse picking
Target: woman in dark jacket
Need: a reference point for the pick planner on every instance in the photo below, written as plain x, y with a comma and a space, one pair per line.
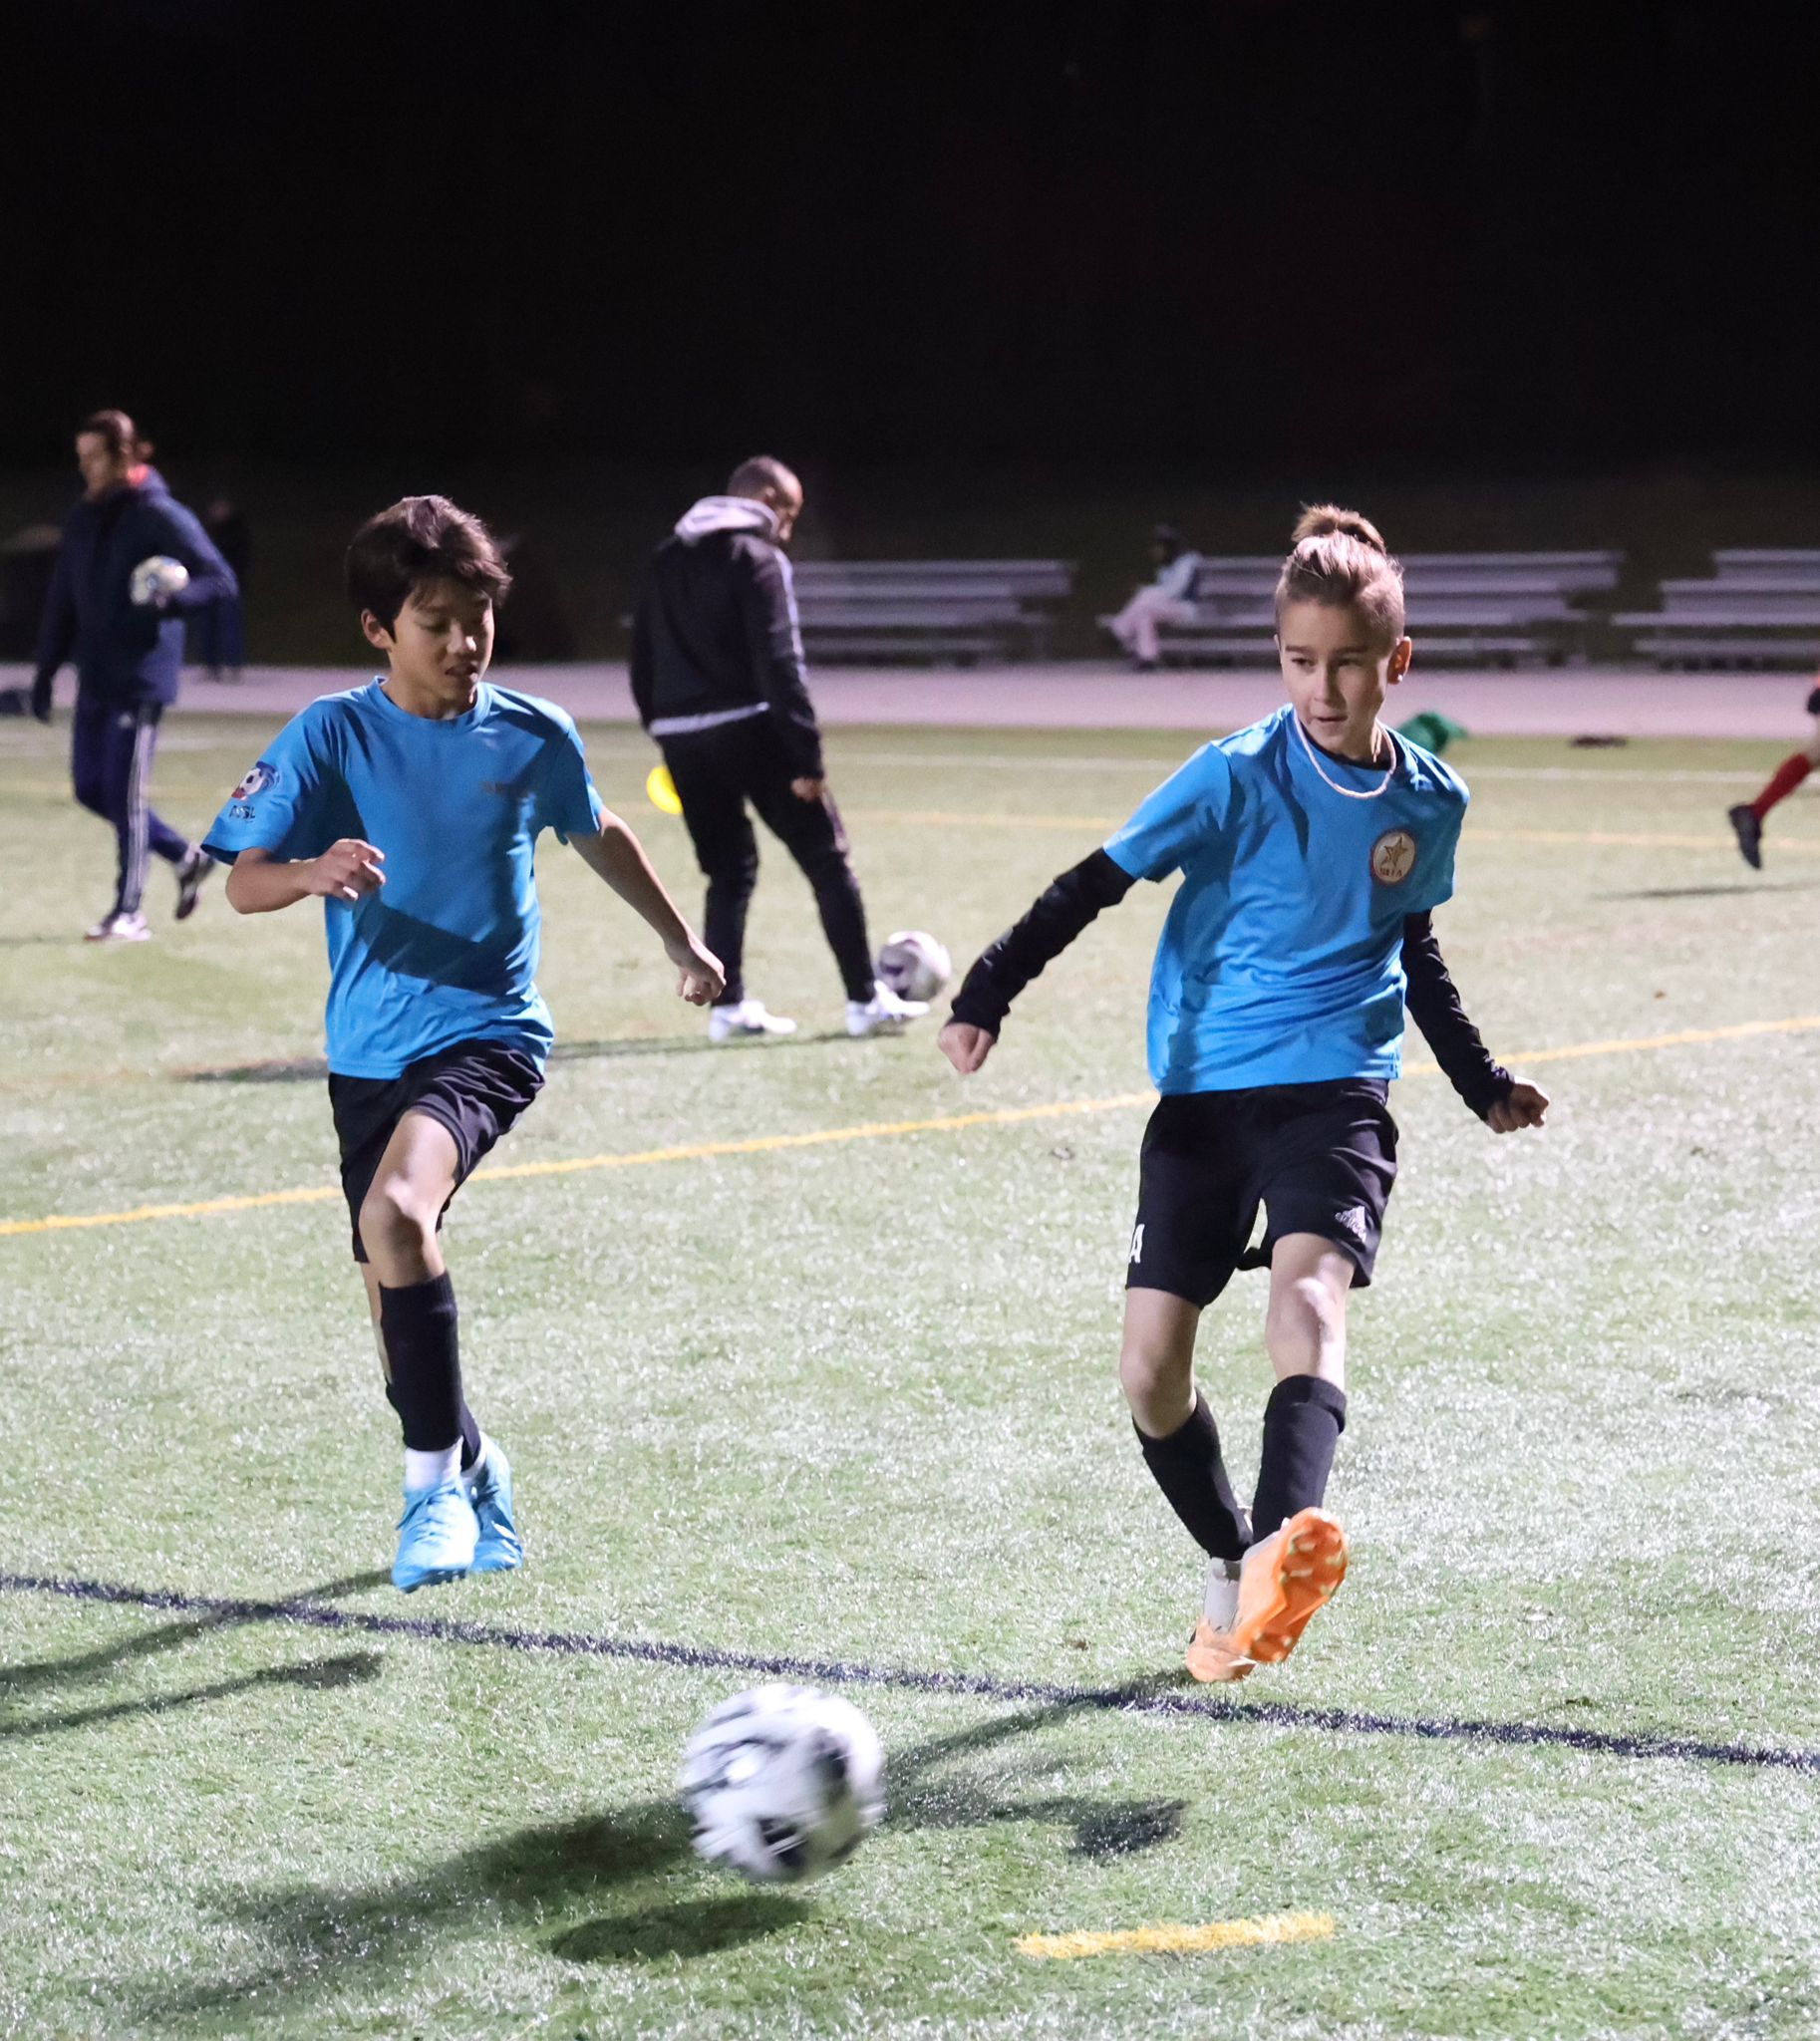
129, 654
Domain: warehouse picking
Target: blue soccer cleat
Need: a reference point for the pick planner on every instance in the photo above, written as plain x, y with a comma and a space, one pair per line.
436, 1535
500, 1549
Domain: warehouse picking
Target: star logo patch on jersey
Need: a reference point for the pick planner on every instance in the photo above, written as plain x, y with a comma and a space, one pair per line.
1393, 857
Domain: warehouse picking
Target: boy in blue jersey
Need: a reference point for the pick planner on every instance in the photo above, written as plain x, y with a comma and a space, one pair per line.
1312, 849
412, 807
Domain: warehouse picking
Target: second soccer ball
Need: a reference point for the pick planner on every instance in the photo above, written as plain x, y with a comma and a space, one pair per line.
914, 965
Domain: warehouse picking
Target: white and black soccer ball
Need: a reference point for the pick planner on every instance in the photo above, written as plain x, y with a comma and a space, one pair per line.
914, 965
783, 1783
156, 580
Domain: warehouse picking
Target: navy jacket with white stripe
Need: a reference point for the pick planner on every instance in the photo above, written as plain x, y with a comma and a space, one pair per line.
122, 652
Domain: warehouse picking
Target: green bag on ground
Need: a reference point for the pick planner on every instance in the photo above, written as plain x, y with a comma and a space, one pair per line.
1433, 730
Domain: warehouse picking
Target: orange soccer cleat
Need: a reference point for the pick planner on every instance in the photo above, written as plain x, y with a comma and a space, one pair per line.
1212, 1659
1283, 1580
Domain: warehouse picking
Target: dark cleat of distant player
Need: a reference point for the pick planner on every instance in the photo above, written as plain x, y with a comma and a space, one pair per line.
1749, 817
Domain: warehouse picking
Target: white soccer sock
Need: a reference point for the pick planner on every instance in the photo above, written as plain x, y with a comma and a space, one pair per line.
473, 1474
430, 1470
1220, 1600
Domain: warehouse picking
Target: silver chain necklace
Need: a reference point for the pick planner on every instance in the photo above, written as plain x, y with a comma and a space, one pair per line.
1352, 792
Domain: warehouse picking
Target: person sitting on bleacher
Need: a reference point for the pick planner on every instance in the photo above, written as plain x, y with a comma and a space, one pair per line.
1169, 599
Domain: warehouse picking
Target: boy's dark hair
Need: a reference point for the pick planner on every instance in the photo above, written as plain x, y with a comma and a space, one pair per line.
421, 538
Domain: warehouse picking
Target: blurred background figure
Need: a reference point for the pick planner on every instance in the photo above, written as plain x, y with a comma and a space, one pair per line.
27, 561
217, 630
534, 627
1166, 599
719, 681
133, 564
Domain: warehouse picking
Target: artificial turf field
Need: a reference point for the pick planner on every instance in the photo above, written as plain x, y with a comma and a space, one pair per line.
1551, 1762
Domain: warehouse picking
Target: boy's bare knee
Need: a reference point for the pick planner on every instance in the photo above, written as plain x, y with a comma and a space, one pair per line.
1154, 1381
1304, 1316
394, 1221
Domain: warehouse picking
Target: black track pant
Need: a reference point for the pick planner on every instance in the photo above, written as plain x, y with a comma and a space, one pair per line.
111, 763
717, 773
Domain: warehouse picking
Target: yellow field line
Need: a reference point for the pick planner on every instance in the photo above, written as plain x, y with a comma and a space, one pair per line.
1633, 839
1169, 1938
1797, 1024
699, 1151
871, 1130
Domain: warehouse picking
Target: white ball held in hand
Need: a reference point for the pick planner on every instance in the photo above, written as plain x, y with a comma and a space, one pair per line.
156, 580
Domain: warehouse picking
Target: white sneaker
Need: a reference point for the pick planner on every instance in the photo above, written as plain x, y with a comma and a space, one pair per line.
747, 1022
883, 1013
119, 927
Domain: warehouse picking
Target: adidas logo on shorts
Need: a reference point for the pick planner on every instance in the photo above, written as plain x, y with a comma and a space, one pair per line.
1352, 1221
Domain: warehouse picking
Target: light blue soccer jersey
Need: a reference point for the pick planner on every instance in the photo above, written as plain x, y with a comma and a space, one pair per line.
1281, 961
446, 950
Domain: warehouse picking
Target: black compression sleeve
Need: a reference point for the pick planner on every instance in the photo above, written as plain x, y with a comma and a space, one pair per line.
1062, 911
1434, 1004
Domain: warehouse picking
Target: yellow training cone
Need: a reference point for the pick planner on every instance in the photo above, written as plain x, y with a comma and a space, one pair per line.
661, 789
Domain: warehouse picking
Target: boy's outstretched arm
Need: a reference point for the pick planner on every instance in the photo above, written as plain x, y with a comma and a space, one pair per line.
260, 883
1065, 906
1503, 1101
619, 858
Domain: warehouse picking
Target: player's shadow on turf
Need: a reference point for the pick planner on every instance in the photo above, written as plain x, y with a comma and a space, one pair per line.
353, 1668
1714, 892
534, 1877
312, 1070
1102, 1828
168, 1637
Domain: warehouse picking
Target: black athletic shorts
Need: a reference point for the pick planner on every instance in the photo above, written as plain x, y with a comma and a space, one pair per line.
1319, 1158
476, 1089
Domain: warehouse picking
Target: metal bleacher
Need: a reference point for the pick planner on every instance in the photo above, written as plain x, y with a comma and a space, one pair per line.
1478, 608
1759, 607
928, 610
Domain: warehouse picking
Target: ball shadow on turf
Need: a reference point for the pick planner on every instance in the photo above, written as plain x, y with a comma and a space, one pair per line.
697, 1928
568, 1869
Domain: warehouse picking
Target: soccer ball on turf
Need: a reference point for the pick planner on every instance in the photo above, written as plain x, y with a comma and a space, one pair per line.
914, 965
156, 580
783, 1783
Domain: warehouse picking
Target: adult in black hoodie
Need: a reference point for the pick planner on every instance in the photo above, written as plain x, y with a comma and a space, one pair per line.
129, 654
718, 675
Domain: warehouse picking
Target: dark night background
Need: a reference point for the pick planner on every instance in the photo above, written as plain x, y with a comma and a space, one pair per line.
1547, 260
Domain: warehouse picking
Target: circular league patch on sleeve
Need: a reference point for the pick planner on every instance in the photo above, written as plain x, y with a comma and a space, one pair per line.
262, 775
1393, 857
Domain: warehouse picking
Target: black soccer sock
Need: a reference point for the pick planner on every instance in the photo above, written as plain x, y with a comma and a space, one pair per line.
1302, 1425
1187, 1467
471, 1438
471, 1442
417, 1324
